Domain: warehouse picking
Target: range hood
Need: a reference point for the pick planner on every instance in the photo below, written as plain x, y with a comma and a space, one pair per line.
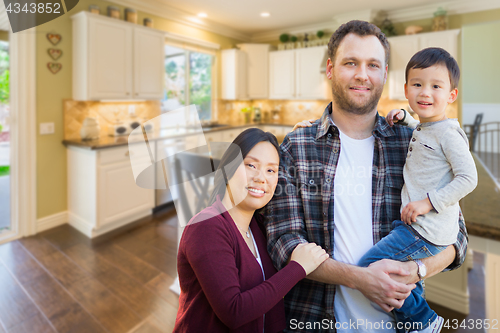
322, 67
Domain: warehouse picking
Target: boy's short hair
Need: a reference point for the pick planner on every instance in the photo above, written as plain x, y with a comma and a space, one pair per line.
435, 56
360, 28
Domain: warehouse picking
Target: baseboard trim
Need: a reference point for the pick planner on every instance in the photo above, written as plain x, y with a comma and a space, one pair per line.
80, 224
88, 230
51, 221
449, 298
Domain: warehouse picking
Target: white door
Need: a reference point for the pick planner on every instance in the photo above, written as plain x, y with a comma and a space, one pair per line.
310, 83
110, 60
282, 74
149, 53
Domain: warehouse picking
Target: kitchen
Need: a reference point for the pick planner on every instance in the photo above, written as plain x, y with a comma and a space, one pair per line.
58, 193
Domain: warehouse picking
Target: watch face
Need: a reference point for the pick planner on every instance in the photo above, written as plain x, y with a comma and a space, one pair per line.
423, 270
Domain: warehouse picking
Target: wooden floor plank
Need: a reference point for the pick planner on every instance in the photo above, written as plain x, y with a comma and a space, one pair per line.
20, 262
131, 265
85, 257
136, 296
160, 260
103, 305
37, 323
161, 286
65, 236
65, 314
146, 327
15, 305
62, 268
37, 246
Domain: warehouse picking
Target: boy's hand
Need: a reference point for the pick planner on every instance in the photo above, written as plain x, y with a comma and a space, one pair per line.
396, 114
303, 123
415, 208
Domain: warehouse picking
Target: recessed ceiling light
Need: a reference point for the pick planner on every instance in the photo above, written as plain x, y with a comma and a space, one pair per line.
265, 14
202, 14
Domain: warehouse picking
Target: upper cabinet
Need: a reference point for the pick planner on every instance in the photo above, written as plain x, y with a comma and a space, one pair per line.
295, 74
245, 72
113, 59
404, 47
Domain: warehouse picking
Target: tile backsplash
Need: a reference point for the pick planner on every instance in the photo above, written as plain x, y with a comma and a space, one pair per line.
292, 112
106, 113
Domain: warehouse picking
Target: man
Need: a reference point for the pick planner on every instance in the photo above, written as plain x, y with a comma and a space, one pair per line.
340, 184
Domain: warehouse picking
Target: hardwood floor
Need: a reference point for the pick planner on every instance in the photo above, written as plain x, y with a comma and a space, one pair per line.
60, 281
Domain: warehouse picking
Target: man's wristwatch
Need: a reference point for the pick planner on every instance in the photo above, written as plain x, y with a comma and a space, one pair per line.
422, 270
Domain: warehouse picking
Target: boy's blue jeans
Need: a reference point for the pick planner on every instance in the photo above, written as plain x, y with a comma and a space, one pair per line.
403, 244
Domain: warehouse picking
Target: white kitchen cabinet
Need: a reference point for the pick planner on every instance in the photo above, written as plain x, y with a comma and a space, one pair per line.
404, 47
257, 56
149, 55
102, 193
295, 74
282, 74
234, 74
245, 72
113, 59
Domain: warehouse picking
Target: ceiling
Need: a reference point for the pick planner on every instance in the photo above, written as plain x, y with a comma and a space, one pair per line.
244, 16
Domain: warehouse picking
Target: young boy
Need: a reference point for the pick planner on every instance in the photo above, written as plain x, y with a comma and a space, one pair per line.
439, 171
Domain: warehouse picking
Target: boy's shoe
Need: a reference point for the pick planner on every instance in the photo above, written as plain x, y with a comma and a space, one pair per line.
434, 327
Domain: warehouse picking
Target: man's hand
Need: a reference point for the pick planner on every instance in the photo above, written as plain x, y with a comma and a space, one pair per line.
303, 123
396, 114
377, 285
413, 209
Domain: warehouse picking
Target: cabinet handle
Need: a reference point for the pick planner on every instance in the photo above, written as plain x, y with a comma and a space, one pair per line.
127, 153
128, 94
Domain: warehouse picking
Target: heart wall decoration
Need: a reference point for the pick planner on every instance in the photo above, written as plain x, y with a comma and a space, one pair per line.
55, 53
54, 67
54, 38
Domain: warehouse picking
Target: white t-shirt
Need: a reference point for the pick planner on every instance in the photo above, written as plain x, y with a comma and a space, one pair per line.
353, 234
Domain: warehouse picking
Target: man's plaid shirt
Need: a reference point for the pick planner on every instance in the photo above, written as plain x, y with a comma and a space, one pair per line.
302, 207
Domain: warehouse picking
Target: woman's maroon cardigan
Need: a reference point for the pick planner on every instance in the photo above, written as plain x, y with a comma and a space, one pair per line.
222, 288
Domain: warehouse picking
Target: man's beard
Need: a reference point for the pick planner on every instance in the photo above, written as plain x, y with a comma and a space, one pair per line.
344, 102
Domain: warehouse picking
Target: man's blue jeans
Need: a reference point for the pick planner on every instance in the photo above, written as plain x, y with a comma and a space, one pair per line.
403, 244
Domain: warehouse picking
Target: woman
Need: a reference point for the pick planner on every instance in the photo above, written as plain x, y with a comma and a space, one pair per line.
228, 282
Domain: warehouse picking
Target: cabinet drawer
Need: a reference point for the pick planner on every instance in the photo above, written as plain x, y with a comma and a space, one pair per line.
122, 154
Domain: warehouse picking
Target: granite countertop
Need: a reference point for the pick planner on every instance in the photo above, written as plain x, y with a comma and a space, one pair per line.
115, 141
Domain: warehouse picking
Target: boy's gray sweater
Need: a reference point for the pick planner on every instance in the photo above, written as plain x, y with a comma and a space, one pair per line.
438, 166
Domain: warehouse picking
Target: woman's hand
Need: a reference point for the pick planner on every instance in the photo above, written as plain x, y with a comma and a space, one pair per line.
413, 209
309, 256
396, 114
303, 123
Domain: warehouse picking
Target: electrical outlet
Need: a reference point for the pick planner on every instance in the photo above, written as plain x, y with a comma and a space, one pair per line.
47, 128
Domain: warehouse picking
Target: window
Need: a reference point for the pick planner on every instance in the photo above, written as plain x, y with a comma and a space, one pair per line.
188, 80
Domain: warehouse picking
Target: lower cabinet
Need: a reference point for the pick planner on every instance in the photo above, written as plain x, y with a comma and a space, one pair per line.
102, 193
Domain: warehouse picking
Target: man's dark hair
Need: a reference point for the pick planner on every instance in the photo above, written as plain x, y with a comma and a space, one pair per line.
435, 56
360, 28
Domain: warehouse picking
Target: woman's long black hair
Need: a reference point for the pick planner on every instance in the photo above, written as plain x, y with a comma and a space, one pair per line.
242, 144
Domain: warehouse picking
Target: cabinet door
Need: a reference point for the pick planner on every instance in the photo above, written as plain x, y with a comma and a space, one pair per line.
149, 73
118, 195
444, 39
282, 74
402, 49
110, 60
258, 70
310, 83
234, 74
